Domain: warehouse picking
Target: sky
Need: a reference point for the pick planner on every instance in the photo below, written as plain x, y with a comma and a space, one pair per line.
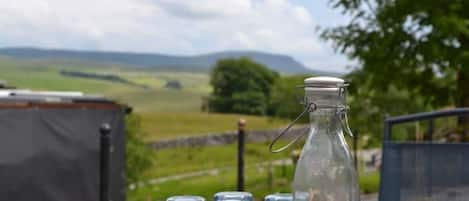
176, 27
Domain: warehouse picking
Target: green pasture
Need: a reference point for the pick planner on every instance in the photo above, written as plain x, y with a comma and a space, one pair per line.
259, 180
164, 125
155, 99
191, 159
260, 177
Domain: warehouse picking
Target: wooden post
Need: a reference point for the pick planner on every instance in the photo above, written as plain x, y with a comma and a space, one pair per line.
241, 142
270, 176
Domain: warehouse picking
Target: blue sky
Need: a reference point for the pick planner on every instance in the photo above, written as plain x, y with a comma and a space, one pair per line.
177, 27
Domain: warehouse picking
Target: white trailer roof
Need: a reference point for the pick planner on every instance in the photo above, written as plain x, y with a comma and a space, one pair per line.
26, 95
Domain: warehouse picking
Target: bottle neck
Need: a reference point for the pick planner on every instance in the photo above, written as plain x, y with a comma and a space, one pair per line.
325, 121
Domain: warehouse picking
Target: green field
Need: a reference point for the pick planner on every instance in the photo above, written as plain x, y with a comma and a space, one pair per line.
172, 124
156, 99
221, 158
191, 159
261, 178
260, 181
165, 113
184, 160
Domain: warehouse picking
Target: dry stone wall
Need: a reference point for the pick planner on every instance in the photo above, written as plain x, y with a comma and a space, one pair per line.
225, 138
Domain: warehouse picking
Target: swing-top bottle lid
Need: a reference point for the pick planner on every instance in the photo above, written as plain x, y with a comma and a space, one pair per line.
325, 92
323, 83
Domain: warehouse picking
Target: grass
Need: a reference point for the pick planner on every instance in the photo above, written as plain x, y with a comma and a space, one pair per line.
259, 181
183, 160
191, 159
158, 100
175, 124
369, 182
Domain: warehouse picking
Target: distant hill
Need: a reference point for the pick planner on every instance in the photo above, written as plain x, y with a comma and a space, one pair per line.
204, 62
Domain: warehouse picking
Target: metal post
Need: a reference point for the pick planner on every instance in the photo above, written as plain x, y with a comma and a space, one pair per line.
241, 142
104, 163
387, 130
431, 128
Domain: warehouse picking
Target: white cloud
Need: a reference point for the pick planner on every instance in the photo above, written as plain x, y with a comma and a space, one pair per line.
164, 26
205, 8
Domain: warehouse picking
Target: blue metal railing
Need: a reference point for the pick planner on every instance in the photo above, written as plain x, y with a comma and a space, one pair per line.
399, 160
390, 122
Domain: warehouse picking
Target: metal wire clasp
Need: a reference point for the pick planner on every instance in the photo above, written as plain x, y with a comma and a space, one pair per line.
310, 107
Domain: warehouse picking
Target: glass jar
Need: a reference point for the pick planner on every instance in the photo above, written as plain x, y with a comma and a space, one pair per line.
185, 198
233, 196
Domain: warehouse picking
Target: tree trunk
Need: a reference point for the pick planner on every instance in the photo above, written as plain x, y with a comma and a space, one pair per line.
463, 101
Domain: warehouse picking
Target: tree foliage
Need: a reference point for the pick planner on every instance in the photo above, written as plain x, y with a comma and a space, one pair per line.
419, 46
369, 107
412, 56
241, 86
286, 97
138, 155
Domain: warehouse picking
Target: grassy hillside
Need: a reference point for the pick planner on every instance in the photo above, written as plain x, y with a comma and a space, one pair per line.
171, 124
156, 99
201, 63
166, 113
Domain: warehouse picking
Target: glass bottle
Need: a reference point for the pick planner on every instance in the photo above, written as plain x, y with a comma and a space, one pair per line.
325, 170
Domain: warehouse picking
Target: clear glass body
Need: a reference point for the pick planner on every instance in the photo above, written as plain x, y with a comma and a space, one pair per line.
325, 170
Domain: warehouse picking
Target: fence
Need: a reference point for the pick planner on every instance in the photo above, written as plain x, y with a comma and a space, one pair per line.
224, 138
424, 169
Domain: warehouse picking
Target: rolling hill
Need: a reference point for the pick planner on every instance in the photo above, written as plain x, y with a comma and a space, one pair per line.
204, 62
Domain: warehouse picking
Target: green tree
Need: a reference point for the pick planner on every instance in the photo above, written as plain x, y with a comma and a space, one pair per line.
286, 97
139, 157
369, 107
241, 86
418, 46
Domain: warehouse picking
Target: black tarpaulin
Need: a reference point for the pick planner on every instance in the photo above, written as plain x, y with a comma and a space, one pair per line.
52, 153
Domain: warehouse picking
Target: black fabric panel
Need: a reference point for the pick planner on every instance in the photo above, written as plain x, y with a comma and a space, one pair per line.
16, 150
53, 154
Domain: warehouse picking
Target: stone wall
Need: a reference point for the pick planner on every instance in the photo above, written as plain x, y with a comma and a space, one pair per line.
226, 138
